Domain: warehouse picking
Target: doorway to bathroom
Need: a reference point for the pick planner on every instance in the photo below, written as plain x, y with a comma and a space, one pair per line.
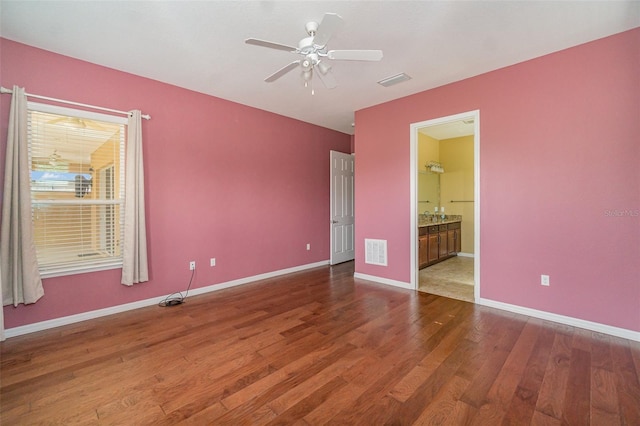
445, 206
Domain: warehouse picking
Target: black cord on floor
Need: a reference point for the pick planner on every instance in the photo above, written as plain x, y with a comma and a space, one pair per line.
177, 298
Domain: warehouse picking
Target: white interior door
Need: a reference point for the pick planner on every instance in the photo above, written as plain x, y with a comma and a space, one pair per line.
342, 218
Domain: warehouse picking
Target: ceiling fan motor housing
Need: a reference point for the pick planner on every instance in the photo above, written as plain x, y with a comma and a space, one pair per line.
306, 46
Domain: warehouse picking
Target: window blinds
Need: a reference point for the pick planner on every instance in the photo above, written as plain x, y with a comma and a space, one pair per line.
77, 190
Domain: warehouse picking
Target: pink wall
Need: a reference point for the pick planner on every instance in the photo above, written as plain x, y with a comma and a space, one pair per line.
560, 155
245, 186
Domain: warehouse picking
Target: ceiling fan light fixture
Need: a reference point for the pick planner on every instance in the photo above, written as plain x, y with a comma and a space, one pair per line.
323, 67
306, 64
394, 79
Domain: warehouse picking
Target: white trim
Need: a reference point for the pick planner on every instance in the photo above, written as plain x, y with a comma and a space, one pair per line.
89, 115
381, 280
574, 322
65, 270
254, 278
71, 319
413, 205
414, 128
466, 255
476, 207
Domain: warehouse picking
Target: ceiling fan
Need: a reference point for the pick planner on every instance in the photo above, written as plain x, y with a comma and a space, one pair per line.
313, 50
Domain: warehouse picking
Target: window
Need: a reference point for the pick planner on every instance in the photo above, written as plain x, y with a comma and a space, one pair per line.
77, 188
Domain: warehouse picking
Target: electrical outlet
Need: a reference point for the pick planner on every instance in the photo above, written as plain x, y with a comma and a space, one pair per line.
544, 280
308, 246
192, 265
212, 261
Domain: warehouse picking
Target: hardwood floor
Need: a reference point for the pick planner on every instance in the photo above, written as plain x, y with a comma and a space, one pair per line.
319, 347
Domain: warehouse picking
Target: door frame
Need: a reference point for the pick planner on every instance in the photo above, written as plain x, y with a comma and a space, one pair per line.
413, 167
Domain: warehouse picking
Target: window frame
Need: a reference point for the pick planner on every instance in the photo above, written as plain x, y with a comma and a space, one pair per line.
101, 264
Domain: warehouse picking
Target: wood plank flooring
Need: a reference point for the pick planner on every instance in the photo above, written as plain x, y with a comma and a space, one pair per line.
319, 347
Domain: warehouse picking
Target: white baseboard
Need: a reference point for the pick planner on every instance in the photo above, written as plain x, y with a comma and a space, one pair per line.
575, 322
383, 280
466, 254
71, 319
240, 281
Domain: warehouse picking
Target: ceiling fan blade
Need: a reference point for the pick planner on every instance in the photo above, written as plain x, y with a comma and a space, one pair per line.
355, 55
331, 22
327, 78
270, 44
282, 71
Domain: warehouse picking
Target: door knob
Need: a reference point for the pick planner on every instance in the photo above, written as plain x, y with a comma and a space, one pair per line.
334, 221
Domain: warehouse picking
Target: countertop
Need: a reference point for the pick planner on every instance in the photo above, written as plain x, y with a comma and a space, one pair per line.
422, 224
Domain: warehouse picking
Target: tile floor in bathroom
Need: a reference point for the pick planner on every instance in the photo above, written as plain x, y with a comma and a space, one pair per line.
451, 278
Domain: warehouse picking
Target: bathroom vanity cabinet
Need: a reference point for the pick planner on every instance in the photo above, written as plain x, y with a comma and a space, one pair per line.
437, 242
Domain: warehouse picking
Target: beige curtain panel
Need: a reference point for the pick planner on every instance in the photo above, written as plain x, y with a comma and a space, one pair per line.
20, 280
134, 262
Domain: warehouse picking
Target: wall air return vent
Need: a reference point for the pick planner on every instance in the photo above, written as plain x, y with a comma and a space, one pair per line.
375, 252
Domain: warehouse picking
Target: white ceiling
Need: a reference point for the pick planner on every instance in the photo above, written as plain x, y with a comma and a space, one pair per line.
453, 129
199, 45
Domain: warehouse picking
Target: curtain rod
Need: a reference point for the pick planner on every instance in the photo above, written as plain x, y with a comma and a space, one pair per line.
5, 90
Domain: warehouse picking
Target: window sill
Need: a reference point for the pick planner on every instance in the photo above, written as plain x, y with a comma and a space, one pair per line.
62, 272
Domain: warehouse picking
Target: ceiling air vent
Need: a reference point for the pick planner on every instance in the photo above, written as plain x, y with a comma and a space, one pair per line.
394, 79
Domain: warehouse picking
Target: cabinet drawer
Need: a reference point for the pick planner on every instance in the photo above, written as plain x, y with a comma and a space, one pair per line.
443, 227
455, 225
433, 229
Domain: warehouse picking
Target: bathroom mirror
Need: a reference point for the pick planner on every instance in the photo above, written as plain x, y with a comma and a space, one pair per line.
428, 191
